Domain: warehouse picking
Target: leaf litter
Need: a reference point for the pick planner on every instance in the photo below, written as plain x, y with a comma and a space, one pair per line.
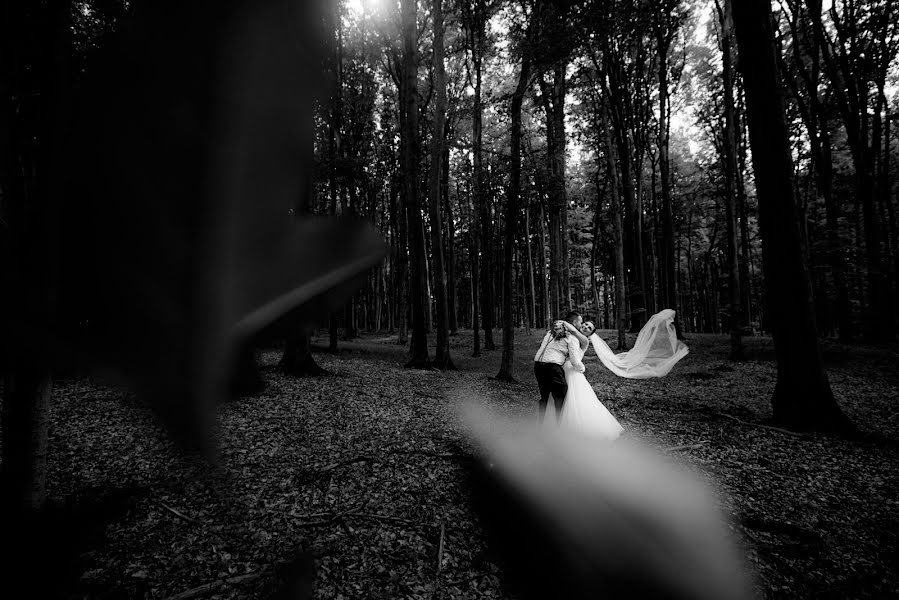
364, 470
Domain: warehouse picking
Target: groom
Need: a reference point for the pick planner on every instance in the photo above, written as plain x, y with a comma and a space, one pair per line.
558, 346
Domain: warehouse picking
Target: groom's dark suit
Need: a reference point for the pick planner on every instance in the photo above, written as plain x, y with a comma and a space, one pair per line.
548, 362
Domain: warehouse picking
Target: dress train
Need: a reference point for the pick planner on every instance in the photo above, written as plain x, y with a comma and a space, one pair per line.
655, 352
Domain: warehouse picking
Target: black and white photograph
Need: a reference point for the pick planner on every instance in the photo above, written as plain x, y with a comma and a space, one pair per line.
449, 299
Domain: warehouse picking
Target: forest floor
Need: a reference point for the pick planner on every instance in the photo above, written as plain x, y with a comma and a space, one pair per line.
363, 470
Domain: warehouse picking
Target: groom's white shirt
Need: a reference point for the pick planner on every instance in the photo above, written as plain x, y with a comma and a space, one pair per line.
558, 351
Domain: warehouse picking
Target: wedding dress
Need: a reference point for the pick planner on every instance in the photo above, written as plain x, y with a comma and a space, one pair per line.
582, 410
656, 350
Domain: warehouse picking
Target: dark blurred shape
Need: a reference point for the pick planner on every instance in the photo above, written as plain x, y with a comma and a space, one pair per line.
45, 553
574, 517
194, 147
295, 580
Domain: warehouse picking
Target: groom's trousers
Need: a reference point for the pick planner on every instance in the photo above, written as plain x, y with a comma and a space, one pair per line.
551, 380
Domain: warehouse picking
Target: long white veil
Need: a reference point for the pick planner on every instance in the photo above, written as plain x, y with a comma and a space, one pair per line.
656, 350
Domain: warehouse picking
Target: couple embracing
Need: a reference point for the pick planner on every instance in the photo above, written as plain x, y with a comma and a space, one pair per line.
559, 368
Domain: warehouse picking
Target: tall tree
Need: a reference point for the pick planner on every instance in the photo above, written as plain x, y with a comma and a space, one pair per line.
450, 233
474, 19
552, 94
621, 319
531, 288
35, 88
297, 359
335, 146
442, 358
730, 178
513, 210
410, 136
668, 19
802, 396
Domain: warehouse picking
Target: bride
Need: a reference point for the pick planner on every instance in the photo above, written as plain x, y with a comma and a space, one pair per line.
655, 352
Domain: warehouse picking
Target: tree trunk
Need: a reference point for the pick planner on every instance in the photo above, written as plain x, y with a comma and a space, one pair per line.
631, 234
558, 94
442, 358
553, 97
452, 309
35, 88
332, 334
26, 420
401, 271
730, 182
379, 299
887, 203
802, 396
836, 250
545, 281
334, 132
743, 208
512, 210
487, 275
594, 250
532, 294
297, 358
419, 350
482, 228
606, 301
474, 267
349, 318
477, 193
618, 225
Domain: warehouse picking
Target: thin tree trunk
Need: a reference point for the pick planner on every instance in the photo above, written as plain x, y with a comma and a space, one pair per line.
666, 249
883, 202
474, 266
631, 235
730, 182
487, 275
743, 208
558, 292
482, 229
452, 308
532, 294
606, 301
512, 210
547, 314
379, 299
442, 359
594, 250
618, 225
335, 147
478, 305
418, 288
401, 276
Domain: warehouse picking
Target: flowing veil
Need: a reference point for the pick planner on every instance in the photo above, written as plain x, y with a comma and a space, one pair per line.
656, 350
